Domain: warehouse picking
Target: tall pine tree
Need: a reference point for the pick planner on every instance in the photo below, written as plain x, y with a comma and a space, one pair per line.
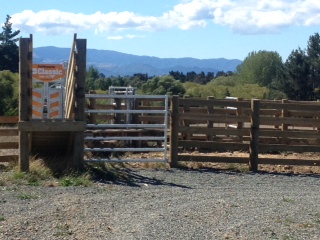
9, 51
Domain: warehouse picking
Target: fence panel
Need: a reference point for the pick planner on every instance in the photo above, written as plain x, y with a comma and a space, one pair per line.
134, 128
9, 142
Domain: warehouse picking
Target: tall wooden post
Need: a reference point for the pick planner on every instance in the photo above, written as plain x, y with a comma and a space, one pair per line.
254, 135
25, 99
174, 130
78, 144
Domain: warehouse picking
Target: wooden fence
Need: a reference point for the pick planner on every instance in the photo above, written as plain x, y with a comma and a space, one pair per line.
240, 125
210, 125
9, 138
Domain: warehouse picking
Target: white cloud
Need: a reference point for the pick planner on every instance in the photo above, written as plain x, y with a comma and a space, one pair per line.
242, 16
115, 38
129, 36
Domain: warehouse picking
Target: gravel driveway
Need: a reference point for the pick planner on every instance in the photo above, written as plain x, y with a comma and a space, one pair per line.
167, 204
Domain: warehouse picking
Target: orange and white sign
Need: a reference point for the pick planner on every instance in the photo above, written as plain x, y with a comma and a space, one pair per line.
48, 72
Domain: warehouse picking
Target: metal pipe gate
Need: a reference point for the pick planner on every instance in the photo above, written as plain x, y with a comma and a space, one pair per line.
143, 132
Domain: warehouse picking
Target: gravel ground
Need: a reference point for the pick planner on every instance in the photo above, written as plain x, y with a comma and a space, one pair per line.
167, 204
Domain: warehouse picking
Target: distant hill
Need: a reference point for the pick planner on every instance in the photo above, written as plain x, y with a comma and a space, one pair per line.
116, 63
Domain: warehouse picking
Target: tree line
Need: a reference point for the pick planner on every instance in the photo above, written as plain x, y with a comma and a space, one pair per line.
262, 74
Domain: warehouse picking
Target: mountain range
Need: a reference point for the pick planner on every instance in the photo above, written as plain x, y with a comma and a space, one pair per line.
112, 63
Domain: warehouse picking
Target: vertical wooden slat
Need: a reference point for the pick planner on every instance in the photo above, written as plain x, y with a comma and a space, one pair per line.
254, 135
174, 130
210, 122
284, 127
239, 113
25, 99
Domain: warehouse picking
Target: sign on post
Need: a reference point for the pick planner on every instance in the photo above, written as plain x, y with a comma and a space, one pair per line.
48, 72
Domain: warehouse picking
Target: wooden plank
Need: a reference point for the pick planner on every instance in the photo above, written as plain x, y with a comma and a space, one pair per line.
290, 106
215, 131
9, 158
304, 114
219, 146
213, 103
9, 145
270, 112
9, 119
47, 126
288, 133
217, 118
8, 132
212, 159
302, 122
294, 162
288, 148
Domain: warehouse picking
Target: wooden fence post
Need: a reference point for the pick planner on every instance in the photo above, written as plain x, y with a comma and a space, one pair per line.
25, 99
254, 135
210, 123
174, 130
78, 142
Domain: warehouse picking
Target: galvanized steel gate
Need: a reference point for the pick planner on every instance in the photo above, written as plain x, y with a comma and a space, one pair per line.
136, 121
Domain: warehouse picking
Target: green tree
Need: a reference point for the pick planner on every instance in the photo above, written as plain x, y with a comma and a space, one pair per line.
163, 85
262, 67
9, 51
298, 71
92, 76
313, 53
9, 93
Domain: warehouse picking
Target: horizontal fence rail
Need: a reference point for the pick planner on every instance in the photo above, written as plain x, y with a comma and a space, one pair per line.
9, 143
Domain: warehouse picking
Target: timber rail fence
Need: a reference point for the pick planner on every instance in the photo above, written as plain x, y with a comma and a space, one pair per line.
262, 126
9, 138
223, 125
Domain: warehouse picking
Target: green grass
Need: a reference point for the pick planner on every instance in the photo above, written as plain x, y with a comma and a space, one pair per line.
63, 230
26, 196
41, 174
2, 182
288, 200
2, 218
76, 180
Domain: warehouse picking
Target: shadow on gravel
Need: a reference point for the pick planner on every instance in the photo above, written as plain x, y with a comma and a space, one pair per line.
240, 172
130, 177
137, 180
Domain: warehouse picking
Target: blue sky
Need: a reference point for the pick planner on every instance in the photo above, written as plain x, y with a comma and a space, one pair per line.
170, 28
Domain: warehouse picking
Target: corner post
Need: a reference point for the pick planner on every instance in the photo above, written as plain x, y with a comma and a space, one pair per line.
78, 143
25, 99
